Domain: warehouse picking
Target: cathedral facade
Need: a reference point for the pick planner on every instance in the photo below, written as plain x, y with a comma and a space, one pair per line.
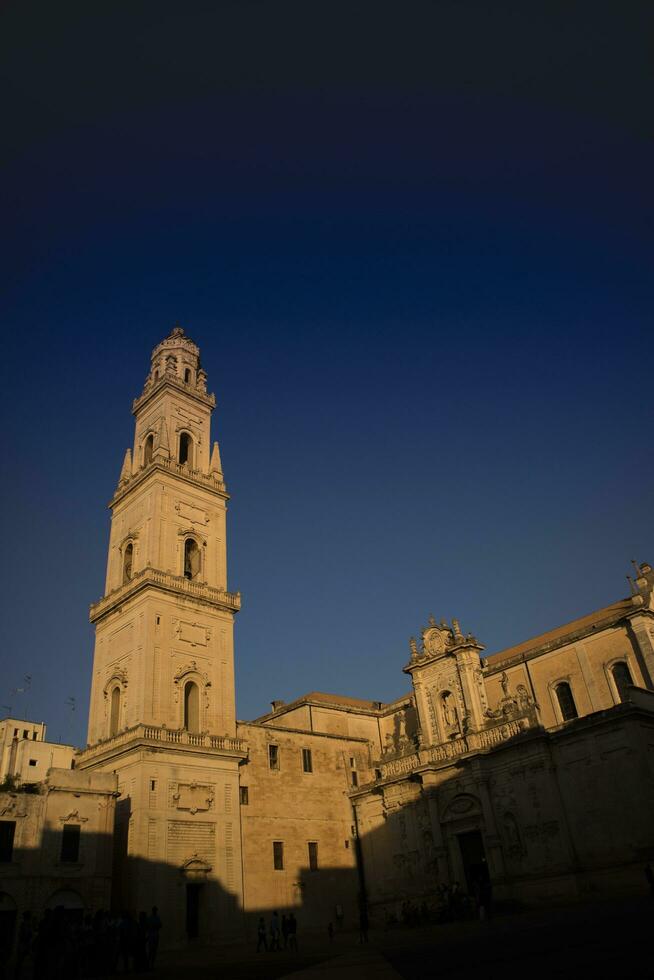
522, 768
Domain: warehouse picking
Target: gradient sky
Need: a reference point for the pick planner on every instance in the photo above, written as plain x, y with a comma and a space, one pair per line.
414, 244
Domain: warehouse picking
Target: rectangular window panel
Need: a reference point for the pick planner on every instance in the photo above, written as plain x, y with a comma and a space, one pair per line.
7, 831
278, 855
32, 762
313, 855
244, 795
307, 761
273, 756
70, 842
355, 778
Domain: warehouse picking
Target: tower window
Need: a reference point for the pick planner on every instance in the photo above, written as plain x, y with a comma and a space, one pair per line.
278, 855
566, 701
273, 757
191, 707
244, 795
147, 450
307, 761
128, 557
313, 855
187, 376
622, 678
191, 558
186, 449
114, 720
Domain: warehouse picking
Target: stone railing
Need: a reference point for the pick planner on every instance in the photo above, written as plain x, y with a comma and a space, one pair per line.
473, 742
174, 736
173, 583
209, 481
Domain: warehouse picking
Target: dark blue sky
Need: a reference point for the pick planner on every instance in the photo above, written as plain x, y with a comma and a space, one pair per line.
414, 243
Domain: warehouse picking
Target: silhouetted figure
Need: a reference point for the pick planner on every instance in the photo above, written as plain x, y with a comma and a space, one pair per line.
330, 932
292, 932
140, 943
649, 876
126, 931
363, 925
274, 931
153, 929
261, 936
24, 944
284, 931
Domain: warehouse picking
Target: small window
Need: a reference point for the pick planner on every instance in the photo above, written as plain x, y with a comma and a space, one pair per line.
347, 845
15, 733
128, 558
622, 678
313, 855
278, 855
153, 785
307, 762
7, 832
185, 449
70, 842
33, 762
187, 376
378, 774
352, 765
355, 777
244, 796
273, 756
566, 701
26, 734
158, 621
34, 736
147, 450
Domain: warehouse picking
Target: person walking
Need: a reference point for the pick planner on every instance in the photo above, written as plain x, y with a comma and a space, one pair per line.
274, 931
153, 932
292, 932
261, 936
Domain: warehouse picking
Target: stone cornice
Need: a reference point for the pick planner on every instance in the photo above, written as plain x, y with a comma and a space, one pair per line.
171, 380
497, 666
174, 584
154, 735
207, 481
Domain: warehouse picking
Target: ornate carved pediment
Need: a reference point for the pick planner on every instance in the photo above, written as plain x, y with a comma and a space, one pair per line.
462, 805
73, 817
117, 677
196, 867
437, 640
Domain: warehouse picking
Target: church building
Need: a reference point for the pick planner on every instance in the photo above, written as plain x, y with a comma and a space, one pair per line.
522, 767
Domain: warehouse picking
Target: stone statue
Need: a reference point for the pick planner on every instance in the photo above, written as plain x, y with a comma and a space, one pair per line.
449, 711
504, 681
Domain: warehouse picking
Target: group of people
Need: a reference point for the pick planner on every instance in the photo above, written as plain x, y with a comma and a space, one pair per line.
279, 935
62, 946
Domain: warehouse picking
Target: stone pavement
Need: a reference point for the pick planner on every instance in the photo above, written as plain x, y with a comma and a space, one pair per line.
601, 939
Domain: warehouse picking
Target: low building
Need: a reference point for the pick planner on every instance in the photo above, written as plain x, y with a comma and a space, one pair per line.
56, 844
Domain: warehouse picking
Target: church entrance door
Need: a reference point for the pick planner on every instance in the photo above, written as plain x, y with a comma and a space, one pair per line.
193, 900
473, 857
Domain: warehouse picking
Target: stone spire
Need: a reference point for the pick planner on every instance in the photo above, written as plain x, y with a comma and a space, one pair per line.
161, 444
216, 466
126, 470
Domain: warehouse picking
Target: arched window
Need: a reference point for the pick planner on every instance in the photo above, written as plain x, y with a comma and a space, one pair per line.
622, 678
147, 450
186, 449
191, 707
187, 376
114, 719
128, 557
566, 701
191, 558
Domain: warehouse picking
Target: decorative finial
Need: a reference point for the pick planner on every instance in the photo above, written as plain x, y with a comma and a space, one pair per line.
432, 621
413, 646
457, 629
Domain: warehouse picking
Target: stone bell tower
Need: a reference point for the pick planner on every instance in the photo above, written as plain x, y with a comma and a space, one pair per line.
162, 709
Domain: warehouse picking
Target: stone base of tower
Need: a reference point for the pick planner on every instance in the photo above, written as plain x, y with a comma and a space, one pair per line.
177, 841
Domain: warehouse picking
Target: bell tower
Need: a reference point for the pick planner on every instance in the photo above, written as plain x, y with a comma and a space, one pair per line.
162, 709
